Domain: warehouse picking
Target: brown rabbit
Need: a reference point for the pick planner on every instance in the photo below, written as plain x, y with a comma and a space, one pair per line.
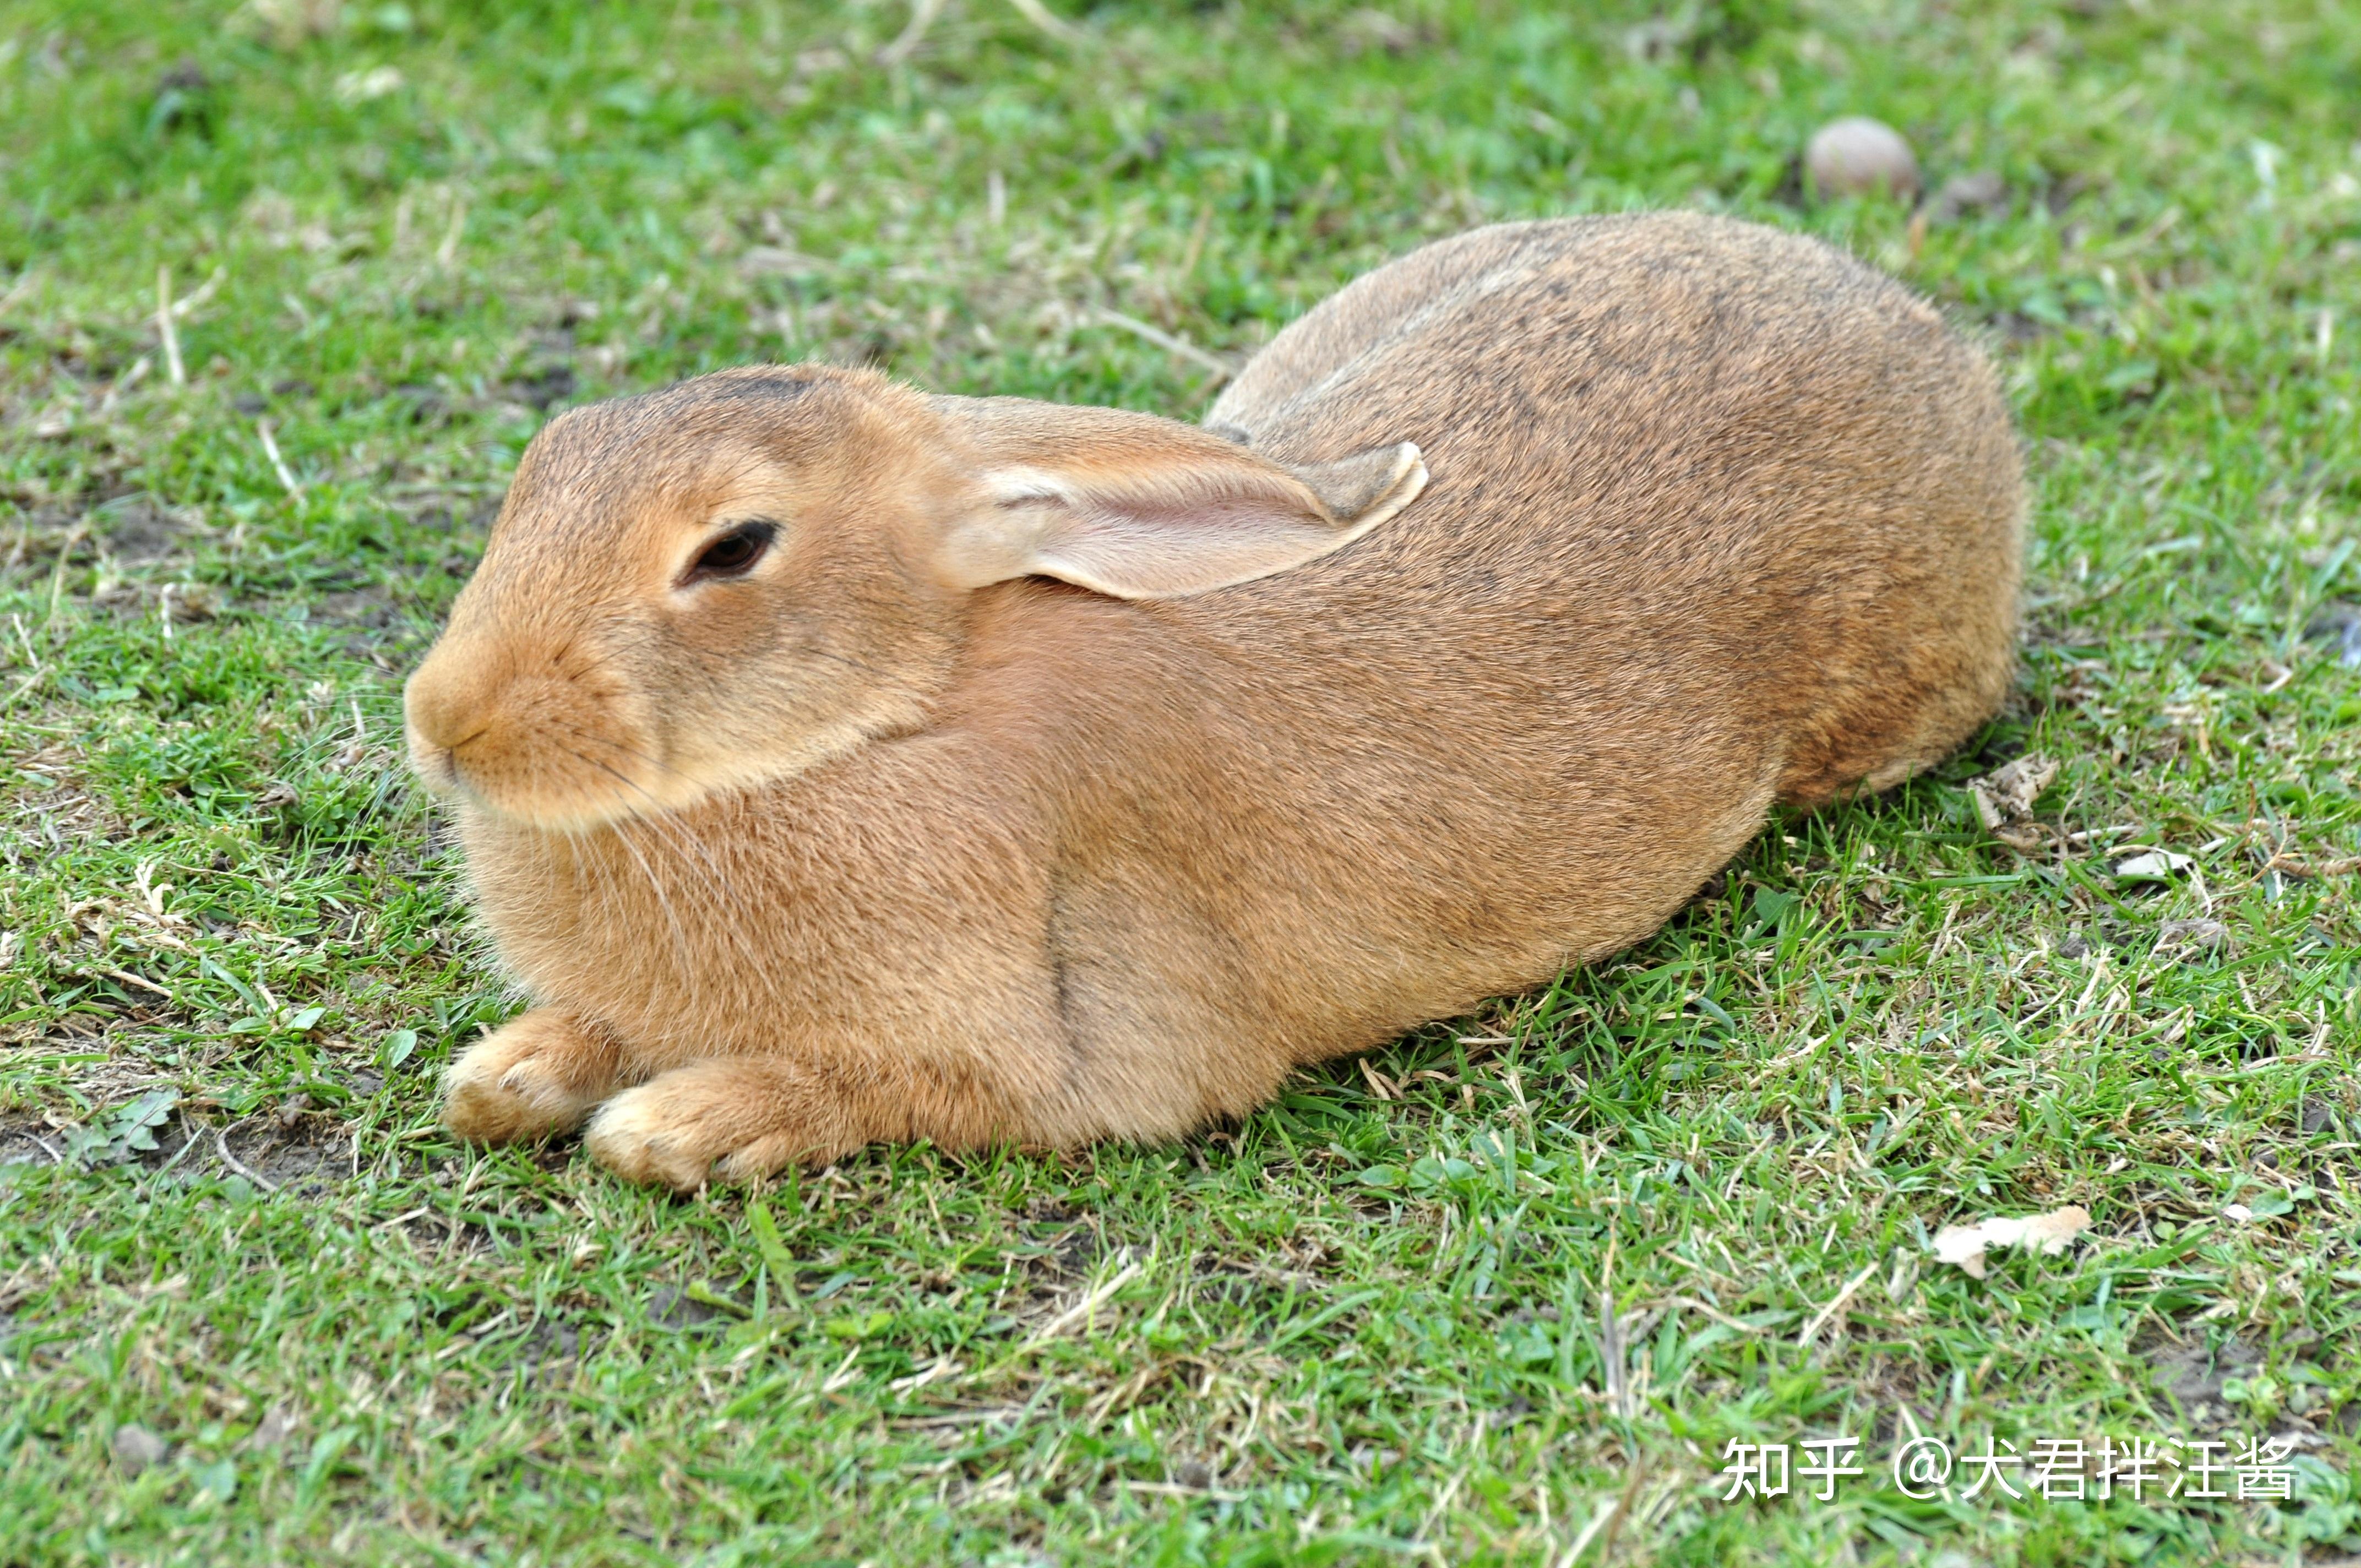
837, 763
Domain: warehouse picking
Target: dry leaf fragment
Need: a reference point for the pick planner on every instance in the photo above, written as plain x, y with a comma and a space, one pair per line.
2007, 794
2047, 1234
368, 86
778, 261
2005, 799
2204, 934
2294, 868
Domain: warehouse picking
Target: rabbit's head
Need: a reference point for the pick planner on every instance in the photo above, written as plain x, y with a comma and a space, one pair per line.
729, 581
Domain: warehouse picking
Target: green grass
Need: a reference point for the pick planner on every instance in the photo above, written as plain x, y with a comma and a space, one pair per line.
1529, 1264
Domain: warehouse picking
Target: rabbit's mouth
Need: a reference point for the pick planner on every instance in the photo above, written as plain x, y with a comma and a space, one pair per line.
436, 767
542, 749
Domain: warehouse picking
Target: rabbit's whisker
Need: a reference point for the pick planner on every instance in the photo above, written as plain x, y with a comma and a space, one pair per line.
656, 884
665, 819
631, 752
722, 904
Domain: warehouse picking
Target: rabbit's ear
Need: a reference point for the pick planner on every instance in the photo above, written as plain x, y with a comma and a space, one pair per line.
1142, 508
1369, 486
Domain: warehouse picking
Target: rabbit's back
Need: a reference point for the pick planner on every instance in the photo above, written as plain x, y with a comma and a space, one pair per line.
1734, 461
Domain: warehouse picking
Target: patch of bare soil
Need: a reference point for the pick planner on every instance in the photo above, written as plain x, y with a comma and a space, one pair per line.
305, 1154
128, 530
2195, 1376
141, 532
27, 1139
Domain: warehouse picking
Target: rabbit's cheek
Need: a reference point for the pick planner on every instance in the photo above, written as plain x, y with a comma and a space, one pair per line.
820, 709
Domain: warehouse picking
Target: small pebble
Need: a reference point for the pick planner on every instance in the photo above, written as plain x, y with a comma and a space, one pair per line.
138, 1449
1856, 157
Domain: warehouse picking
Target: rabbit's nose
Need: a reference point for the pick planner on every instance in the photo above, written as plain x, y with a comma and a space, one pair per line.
443, 702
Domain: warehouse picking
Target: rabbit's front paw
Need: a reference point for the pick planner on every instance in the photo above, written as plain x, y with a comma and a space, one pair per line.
536, 1076
725, 1120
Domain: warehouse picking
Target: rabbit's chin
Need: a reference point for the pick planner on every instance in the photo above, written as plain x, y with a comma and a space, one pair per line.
543, 809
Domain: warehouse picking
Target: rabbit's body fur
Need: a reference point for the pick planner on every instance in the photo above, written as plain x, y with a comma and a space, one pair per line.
1716, 517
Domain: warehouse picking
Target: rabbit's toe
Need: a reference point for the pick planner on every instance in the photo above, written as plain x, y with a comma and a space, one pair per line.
724, 1121
537, 1076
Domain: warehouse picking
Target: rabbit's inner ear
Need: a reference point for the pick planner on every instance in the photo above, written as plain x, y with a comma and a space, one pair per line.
1139, 528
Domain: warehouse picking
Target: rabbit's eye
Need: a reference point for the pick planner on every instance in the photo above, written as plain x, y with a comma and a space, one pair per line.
733, 554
